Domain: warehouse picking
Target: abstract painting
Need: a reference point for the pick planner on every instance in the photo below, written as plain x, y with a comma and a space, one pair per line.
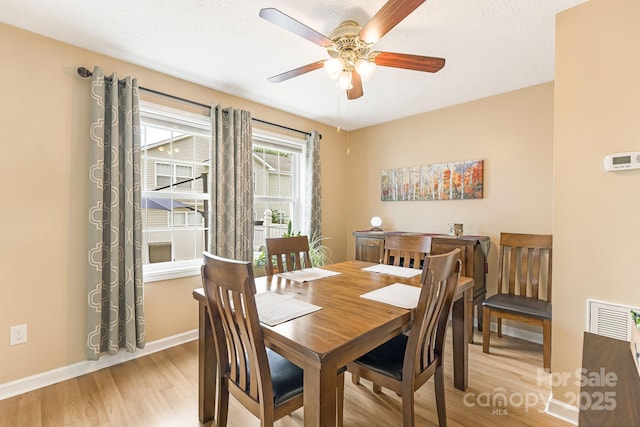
442, 181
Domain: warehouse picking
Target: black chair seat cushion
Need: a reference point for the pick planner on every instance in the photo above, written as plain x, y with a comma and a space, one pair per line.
388, 358
286, 377
517, 304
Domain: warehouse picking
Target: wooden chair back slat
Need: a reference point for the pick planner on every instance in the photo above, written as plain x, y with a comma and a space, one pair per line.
501, 268
513, 252
535, 273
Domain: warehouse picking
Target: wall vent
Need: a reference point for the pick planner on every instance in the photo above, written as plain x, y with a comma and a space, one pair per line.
610, 320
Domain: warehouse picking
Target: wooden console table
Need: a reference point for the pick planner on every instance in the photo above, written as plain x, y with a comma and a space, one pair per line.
473, 253
610, 392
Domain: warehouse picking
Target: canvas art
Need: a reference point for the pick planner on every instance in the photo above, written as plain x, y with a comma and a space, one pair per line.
442, 181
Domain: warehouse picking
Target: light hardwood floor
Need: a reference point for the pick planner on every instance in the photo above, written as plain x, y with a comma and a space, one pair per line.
161, 390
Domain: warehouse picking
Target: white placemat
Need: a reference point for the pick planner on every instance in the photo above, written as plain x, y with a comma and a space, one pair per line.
394, 270
274, 308
308, 274
398, 294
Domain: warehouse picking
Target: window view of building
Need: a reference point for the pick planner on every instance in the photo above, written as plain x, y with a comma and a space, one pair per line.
276, 172
175, 164
174, 169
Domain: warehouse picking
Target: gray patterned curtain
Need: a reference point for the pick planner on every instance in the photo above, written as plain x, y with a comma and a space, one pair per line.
231, 184
312, 202
115, 288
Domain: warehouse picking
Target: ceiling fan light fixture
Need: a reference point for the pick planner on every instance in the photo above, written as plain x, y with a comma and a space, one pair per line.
351, 60
344, 81
365, 68
333, 67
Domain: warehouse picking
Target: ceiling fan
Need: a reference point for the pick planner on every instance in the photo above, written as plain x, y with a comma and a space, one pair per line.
351, 60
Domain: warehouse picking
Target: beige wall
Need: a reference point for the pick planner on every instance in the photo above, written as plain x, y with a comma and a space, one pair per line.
595, 216
44, 117
512, 133
531, 182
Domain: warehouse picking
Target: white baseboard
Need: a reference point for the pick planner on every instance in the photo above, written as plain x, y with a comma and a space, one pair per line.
535, 337
44, 379
562, 410
531, 336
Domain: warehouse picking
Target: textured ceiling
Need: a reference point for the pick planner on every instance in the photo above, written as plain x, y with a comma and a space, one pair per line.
490, 46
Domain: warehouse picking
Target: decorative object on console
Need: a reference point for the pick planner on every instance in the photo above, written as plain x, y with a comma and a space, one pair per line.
456, 230
376, 223
268, 217
442, 181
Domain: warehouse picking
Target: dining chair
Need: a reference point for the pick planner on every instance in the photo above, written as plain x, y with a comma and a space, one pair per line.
406, 250
404, 363
267, 384
286, 254
524, 287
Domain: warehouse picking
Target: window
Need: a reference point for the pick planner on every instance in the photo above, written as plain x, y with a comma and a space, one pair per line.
175, 165
183, 175
184, 219
163, 174
278, 171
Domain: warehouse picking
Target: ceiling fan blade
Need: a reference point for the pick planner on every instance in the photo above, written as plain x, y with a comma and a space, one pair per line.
410, 62
288, 23
296, 72
356, 91
386, 18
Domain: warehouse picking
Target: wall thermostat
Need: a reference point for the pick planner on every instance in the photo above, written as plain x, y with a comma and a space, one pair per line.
622, 161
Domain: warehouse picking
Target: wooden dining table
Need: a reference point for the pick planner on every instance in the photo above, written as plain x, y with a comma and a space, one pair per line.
346, 327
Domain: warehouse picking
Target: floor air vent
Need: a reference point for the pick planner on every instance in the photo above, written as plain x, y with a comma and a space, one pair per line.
610, 320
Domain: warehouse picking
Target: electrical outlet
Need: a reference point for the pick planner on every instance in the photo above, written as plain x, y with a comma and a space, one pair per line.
18, 334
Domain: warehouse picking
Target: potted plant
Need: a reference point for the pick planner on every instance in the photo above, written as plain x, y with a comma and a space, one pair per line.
289, 233
258, 264
319, 253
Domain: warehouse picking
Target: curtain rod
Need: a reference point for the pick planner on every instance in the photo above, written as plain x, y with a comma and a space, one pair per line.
84, 72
